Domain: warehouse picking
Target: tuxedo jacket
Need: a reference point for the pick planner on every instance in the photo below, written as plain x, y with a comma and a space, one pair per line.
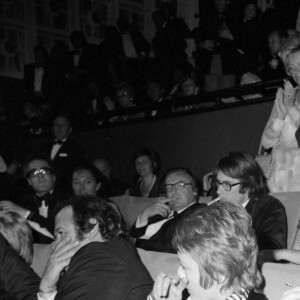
29, 202
88, 64
269, 222
17, 279
48, 80
70, 154
139, 42
110, 270
162, 240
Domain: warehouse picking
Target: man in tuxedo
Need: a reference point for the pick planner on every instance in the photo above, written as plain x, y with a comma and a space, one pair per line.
39, 80
154, 228
64, 152
38, 205
92, 257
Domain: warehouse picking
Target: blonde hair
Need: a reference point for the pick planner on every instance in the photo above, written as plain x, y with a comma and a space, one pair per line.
292, 42
17, 233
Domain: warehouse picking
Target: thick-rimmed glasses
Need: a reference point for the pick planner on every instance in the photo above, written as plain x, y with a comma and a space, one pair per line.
225, 185
34, 173
180, 185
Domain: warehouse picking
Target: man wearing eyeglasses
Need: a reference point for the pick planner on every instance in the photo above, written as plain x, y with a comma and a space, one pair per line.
39, 204
240, 180
154, 228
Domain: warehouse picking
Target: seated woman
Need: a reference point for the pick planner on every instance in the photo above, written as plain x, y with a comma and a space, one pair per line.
124, 95
88, 180
217, 251
18, 281
147, 165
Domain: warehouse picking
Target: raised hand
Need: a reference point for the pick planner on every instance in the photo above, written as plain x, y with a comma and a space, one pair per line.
289, 95
279, 104
168, 287
161, 207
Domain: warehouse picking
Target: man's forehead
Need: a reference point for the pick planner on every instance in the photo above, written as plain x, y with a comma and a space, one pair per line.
178, 176
61, 120
64, 216
38, 164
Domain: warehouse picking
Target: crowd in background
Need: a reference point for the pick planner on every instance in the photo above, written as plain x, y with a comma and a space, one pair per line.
126, 71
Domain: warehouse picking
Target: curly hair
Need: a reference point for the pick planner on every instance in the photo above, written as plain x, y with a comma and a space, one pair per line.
17, 233
243, 167
221, 240
86, 208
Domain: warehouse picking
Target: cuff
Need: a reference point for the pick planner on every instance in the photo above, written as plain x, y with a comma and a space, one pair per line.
139, 224
46, 296
278, 124
28, 214
294, 113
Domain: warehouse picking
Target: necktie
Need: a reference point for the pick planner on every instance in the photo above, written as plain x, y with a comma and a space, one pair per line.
46, 198
56, 142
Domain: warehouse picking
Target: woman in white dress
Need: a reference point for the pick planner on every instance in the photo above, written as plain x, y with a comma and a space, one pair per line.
279, 133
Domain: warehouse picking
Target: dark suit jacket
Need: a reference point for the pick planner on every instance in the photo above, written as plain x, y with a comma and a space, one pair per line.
139, 42
17, 279
162, 240
29, 202
269, 222
48, 81
70, 154
110, 270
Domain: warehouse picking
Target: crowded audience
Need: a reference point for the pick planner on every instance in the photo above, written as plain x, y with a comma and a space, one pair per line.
59, 196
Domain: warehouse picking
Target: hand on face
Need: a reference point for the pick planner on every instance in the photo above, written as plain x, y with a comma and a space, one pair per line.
161, 207
168, 287
63, 251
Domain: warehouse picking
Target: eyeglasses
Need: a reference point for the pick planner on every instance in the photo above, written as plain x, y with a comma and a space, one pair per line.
34, 173
178, 186
123, 94
225, 185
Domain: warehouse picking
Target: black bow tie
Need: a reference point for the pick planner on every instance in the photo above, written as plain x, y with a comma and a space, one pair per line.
46, 198
56, 142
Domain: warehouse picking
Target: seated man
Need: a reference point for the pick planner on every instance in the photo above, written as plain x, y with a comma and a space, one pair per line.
154, 228
217, 251
92, 257
240, 180
38, 205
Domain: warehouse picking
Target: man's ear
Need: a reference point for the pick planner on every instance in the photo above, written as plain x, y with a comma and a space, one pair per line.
29, 182
91, 235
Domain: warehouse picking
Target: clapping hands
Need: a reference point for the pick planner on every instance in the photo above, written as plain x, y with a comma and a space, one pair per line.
285, 99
